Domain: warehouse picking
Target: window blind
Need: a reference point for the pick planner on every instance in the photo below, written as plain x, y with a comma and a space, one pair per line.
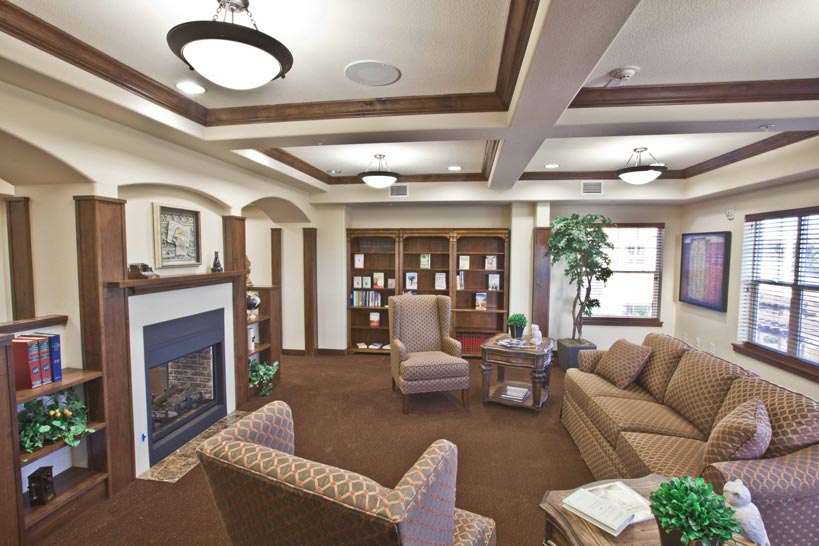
779, 308
633, 291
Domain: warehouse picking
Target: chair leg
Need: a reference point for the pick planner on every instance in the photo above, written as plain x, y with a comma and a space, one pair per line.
465, 397
405, 404
394, 388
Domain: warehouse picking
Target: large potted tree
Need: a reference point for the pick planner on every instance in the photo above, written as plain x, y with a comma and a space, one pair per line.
581, 242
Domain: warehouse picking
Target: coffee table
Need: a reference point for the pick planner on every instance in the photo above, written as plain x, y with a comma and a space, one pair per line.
536, 359
565, 529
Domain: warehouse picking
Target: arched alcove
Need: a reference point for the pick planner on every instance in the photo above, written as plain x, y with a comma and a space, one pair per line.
25, 164
281, 211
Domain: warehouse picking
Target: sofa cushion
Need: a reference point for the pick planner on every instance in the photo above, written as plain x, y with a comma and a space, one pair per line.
644, 454
473, 529
745, 433
623, 362
432, 365
666, 352
794, 417
699, 386
582, 387
613, 416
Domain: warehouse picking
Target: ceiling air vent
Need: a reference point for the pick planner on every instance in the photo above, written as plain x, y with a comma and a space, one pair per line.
591, 187
399, 190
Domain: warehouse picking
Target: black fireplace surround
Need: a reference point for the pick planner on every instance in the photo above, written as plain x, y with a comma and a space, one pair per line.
191, 408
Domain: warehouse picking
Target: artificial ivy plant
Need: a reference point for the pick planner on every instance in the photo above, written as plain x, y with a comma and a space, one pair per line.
59, 417
261, 376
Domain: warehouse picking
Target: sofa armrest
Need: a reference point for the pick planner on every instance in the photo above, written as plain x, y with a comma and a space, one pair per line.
451, 346
587, 360
269, 426
423, 502
398, 349
791, 476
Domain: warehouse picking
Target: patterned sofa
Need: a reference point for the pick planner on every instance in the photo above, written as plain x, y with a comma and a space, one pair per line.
268, 496
669, 420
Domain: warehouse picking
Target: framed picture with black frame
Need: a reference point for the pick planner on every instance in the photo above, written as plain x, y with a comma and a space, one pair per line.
704, 269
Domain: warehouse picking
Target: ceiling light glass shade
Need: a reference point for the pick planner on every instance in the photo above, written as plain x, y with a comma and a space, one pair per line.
642, 174
379, 179
230, 55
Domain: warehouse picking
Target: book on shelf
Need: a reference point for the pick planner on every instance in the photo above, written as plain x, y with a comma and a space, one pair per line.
493, 282
366, 282
440, 281
409, 292
386, 347
480, 301
44, 356
376, 345
26, 354
361, 345
391, 284
515, 394
611, 507
55, 353
463, 262
426, 261
490, 262
411, 281
357, 282
461, 280
365, 298
358, 261
375, 319
378, 280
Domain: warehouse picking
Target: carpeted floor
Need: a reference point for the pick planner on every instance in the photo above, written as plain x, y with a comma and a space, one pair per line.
347, 416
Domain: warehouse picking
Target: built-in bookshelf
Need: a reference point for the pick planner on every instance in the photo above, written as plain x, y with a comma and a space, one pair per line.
426, 261
264, 327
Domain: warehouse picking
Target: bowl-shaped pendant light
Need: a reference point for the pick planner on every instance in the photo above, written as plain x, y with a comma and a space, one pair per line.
228, 54
381, 176
639, 173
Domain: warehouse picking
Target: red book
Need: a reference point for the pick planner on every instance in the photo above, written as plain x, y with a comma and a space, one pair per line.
26, 364
44, 353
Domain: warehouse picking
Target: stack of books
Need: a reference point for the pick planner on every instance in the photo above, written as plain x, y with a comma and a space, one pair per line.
611, 507
515, 394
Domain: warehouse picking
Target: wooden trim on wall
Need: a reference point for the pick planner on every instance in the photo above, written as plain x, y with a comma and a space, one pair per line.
698, 93
310, 291
585, 175
11, 517
541, 278
276, 256
293, 352
21, 267
784, 362
234, 247
332, 352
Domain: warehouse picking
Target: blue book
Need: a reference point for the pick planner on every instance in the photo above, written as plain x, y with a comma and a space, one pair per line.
56, 361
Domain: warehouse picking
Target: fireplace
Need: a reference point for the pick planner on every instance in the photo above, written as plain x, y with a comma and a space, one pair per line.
185, 379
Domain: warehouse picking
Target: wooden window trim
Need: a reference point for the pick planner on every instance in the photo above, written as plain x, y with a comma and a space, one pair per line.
807, 211
778, 360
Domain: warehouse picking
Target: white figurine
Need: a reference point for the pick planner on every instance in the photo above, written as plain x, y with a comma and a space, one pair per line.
537, 336
747, 514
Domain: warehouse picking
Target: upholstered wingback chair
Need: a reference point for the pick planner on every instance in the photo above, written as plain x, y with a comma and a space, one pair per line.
267, 496
423, 356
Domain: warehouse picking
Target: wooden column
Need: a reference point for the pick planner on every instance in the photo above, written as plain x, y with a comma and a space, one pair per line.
233, 242
276, 343
11, 516
541, 279
310, 292
20, 263
102, 257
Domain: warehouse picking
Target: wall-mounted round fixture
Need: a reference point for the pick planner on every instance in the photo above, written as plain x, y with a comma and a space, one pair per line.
229, 54
381, 176
454, 168
639, 173
189, 87
551, 166
372, 73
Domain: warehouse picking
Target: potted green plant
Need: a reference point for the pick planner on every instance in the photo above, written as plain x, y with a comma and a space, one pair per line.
262, 375
516, 323
580, 241
61, 417
689, 512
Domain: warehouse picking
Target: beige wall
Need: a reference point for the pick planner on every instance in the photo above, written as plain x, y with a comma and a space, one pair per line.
257, 244
430, 216
716, 331
331, 223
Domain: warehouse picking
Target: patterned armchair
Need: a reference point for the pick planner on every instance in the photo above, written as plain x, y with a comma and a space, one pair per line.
423, 357
268, 496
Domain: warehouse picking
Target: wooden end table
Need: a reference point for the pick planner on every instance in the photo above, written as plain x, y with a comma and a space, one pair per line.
565, 529
537, 359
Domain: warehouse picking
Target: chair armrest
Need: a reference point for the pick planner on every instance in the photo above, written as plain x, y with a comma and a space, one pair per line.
791, 476
423, 502
270, 426
397, 348
587, 359
451, 346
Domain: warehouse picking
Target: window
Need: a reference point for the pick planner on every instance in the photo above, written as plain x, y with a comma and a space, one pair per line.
779, 312
632, 294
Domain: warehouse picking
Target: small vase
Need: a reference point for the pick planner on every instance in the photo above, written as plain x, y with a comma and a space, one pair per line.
516, 331
217, 265
674, 538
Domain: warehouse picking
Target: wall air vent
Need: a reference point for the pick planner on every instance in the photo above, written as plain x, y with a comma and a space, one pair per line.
399, 190
591, 187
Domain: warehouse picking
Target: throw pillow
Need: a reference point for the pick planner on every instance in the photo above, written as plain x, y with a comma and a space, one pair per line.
623, 362
745, 433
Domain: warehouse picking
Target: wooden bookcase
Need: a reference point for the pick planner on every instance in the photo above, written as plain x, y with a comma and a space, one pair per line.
400, 251
268, 323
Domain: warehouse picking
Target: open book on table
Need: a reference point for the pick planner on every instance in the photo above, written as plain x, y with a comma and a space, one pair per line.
611, 507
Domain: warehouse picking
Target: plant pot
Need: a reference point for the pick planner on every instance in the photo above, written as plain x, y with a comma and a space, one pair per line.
567, 351
674, 538
516, 331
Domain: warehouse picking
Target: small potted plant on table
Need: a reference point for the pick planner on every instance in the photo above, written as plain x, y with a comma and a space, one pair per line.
516, 323
689, 512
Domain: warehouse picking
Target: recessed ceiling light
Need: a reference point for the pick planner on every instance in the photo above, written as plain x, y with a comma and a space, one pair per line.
372, 73
551, 165
454, 168
767, 126
333, 171
189, 87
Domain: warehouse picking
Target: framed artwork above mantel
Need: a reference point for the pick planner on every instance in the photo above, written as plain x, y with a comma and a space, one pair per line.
177, 236
704, 269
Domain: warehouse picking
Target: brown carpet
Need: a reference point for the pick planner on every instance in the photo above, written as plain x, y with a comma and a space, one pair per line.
347, 416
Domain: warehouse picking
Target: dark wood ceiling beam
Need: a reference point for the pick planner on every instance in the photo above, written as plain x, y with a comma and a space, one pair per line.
697, 93
585, 175
299, 164
519, 25
489, 154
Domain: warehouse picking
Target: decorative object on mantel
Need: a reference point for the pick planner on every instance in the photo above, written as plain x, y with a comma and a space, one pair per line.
248, 282
141, 271
516, 323
639, 173
41, 486
704, 267
747, 514
217, 265
177, 234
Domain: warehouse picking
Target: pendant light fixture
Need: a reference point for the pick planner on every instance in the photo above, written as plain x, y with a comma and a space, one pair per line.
381, 177
229, 54
639, 173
